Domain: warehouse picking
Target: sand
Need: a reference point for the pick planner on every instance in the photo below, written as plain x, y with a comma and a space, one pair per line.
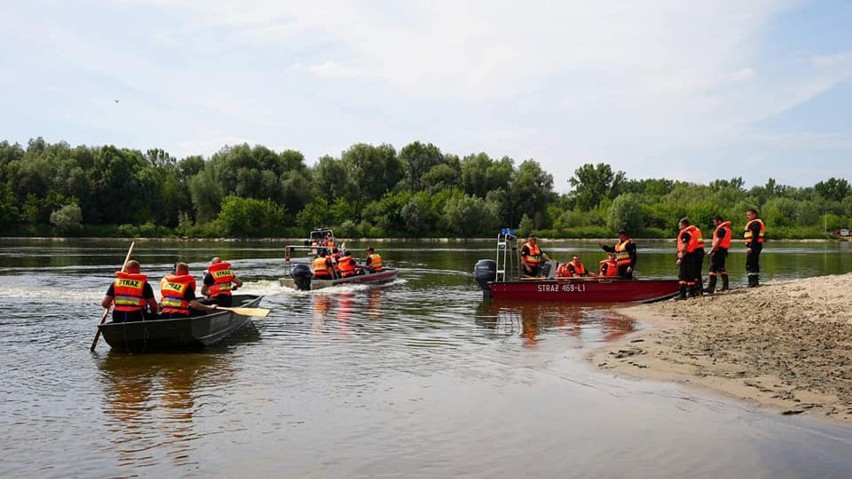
785, 345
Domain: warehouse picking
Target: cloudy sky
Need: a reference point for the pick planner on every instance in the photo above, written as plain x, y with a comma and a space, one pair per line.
684, 90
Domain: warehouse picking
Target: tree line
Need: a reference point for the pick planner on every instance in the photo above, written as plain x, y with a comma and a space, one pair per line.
371, 191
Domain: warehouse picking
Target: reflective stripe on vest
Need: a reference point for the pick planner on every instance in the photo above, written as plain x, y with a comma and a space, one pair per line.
129, 289
321, 266
748, 234
534, 257
172, 291
622, 256
222, 278
375, 261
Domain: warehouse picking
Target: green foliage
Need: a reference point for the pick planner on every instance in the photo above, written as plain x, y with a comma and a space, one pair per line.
371, 191
626, 213
250, 217
594, 183
67, 219
469, 216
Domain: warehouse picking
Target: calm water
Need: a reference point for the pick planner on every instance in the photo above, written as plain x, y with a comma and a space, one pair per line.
420, 378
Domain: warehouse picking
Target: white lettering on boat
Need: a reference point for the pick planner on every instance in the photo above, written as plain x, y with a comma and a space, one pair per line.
565, 288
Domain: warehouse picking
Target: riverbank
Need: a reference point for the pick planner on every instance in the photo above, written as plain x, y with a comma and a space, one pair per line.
785, 345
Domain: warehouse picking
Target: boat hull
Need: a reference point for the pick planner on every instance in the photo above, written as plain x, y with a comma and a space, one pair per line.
585, 290
384, 276
178, 334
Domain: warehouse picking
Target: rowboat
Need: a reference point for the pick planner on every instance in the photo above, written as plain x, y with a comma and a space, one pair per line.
302, 279
501, 280
178, 334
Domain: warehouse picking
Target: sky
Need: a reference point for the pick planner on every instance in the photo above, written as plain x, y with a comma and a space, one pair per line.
685, 90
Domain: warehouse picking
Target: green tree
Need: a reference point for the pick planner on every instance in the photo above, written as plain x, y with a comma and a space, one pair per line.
592, 184
67, 219
418, 160
250, 217
626, 213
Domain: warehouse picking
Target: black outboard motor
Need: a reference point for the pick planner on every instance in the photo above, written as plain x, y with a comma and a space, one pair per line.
485, 272
301, 274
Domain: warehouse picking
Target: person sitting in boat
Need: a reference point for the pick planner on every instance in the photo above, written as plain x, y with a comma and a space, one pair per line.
374, 261
574, 268
219, 281
177, 295
532, 257
131, 293
323, 269
347, 265
609, 267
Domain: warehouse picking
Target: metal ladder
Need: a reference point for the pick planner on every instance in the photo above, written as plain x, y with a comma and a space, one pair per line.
508, 256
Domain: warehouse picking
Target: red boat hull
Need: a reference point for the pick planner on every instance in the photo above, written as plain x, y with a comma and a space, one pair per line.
585, 290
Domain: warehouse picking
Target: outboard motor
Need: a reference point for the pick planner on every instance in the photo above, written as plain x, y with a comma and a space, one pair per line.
485, 271
301, 274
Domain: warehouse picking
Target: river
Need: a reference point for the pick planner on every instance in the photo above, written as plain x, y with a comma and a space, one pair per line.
417, 379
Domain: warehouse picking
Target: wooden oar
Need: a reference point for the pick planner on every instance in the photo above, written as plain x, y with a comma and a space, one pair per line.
106, 311
256, 312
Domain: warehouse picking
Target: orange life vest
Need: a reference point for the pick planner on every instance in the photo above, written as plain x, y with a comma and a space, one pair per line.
748, 234
579, 269
724, 242
611, 268
622, 256
534, 258
347, 266
696, 241
222, 278
563, 271
375, 261
320, 265
172, 290
128, 289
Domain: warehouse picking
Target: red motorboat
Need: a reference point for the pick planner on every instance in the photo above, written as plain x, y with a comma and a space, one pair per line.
501, 280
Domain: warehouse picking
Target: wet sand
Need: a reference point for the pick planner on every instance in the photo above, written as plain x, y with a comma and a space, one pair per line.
786, 345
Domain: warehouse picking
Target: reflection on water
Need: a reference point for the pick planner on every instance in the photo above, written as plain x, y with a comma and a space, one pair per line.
589, 324
150, 401
420, 378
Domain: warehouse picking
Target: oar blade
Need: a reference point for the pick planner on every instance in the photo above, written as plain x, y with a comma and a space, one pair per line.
254, 312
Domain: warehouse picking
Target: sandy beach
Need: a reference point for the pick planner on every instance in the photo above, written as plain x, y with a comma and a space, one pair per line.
785, 345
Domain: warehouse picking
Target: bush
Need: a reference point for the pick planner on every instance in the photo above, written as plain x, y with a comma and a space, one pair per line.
67, 219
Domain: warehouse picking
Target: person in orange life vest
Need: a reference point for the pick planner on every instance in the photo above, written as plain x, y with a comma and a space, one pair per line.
609, 267
532, 257
131, 293
323, 269
690, 259
571, 269
753, 236
347, 265
219, 281
373, 261
577, 268
625, 250
563, 271
177, 294
718, 253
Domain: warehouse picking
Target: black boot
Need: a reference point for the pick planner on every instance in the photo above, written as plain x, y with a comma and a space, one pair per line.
693, 290
711, 286
681, 293
724, 282
752, 281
